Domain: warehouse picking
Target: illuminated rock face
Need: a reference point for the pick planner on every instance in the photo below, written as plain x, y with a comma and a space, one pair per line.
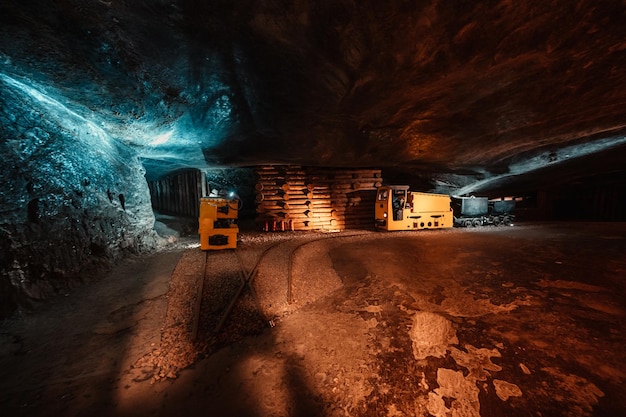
465, 96
72, 199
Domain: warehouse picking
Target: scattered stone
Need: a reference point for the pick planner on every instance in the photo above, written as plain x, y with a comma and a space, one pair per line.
460, 393
524, 369
505, 390
431, 335
477, 361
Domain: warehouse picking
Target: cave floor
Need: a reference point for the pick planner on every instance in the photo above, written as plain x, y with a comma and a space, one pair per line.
527, 320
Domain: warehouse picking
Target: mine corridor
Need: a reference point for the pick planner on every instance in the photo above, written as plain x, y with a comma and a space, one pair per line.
312, 208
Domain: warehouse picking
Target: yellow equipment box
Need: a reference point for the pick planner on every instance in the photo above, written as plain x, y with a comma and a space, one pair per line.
397, 208
217, 224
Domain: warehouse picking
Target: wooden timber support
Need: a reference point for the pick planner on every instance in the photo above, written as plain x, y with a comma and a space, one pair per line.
314, 198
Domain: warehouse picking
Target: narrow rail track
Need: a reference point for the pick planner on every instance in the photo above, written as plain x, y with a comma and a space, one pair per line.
226, 278
246, 281
220, 298
294, 250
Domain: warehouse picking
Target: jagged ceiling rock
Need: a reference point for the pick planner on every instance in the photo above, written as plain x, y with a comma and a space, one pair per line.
463, 92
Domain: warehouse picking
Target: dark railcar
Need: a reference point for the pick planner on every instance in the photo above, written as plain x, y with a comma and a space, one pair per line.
499, 206
477, 211
469, 211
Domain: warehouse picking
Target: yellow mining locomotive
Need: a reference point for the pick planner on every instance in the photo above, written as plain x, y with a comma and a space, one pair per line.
217, 224
397, 208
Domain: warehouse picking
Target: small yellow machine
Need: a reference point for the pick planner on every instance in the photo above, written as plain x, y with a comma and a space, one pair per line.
397, 208
217, 224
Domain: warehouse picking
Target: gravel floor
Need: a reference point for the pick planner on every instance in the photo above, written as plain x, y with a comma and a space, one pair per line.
235, 304
481, 322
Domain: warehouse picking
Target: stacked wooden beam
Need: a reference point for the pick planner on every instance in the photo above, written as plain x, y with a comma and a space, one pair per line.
312, 198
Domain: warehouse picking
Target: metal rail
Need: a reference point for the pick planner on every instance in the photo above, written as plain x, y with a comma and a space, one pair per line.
198, 306
292, 253
247, 278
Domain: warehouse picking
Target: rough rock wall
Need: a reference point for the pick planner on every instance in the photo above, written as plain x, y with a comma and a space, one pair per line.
71, 199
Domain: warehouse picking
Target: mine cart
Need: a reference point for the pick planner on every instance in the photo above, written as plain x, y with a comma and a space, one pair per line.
501, 211
478, 211
470, 211
217, 224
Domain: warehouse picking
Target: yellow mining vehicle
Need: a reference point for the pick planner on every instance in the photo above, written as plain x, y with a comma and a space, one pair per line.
397, 208
217, 224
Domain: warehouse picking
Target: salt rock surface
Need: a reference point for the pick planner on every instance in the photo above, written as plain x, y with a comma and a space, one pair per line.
431, 335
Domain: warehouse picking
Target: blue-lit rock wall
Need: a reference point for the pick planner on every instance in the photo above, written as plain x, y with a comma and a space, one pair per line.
71, 198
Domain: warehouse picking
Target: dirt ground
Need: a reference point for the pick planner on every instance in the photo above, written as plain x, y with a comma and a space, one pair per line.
527, 320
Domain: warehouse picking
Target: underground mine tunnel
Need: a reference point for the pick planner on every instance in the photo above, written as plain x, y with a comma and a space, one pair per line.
119, 120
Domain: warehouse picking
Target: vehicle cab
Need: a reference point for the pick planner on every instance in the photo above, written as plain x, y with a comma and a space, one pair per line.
397, 208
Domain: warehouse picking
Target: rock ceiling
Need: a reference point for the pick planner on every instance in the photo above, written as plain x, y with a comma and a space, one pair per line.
469, 94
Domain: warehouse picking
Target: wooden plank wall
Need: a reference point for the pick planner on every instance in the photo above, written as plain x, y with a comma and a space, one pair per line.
311, 198
178, 194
